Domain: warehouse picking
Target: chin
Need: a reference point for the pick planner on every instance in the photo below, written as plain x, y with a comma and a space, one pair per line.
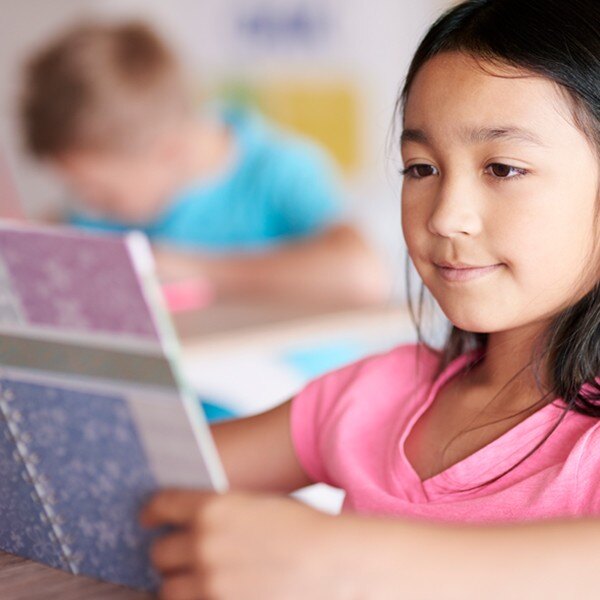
476, 321
472, 328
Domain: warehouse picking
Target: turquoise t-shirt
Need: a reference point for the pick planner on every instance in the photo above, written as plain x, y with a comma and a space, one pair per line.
279, 188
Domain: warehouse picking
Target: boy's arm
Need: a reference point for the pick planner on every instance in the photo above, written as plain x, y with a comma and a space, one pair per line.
334, 268
257, 452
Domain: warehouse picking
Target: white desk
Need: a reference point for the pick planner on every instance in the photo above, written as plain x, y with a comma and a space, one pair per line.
256, 367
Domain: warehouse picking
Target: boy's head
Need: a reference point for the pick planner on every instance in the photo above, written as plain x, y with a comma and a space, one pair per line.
101, 104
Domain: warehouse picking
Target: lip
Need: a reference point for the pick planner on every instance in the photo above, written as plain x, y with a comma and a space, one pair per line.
463, 272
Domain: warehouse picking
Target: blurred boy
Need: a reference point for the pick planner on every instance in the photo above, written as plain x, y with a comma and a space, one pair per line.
222, 195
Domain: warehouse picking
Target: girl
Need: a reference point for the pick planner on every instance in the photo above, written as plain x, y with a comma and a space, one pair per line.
500, 142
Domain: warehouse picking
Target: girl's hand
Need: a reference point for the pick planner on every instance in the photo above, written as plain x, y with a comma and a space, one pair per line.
237, 546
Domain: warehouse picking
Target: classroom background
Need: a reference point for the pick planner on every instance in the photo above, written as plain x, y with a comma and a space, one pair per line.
329, 69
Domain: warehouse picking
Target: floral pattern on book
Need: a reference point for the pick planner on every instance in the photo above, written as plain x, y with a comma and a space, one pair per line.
77, 282
94, 474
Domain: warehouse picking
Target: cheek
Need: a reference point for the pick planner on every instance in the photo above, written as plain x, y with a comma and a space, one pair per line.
414, 223
135, 187
407, 227
554, 265
156, 181
547, 239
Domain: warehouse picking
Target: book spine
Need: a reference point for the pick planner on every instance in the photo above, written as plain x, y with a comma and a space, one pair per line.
41, 492
143, 261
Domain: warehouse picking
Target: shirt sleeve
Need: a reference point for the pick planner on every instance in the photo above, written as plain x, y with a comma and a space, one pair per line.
347, 414
306, 192
316, 420
587, 493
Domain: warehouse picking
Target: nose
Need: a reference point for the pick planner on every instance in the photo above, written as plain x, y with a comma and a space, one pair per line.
456, 210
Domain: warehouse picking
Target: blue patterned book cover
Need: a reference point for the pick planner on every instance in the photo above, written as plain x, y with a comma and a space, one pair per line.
93, 414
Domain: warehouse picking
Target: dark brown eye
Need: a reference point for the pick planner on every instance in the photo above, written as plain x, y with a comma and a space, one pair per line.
424, 170
502, 171
420, 171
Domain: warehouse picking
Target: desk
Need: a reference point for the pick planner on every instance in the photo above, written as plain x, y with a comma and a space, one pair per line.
268, 351
236, 317
21, 579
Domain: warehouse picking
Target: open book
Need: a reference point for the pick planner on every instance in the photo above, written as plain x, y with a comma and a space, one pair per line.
94, 416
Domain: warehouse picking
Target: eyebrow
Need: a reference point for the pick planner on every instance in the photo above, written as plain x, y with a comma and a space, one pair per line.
479, 135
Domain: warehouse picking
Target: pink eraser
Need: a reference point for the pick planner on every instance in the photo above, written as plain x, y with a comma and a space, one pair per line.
188, 294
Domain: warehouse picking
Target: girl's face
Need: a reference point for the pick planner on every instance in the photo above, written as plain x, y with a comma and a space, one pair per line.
500, 192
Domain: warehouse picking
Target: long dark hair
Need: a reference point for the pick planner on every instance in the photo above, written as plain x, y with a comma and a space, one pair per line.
558, 40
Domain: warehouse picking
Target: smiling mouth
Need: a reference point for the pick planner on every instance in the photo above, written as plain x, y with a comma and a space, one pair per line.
460, 272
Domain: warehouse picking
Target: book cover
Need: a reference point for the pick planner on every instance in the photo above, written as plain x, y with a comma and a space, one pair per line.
94, 415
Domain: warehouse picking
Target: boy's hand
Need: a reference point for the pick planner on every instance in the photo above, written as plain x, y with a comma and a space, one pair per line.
237, 546
174, 264
185, 283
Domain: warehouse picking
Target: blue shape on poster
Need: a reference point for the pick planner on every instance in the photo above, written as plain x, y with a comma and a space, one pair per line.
313, 361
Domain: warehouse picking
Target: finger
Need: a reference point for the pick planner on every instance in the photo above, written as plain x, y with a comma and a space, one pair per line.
181, 587
174, 552
173, 507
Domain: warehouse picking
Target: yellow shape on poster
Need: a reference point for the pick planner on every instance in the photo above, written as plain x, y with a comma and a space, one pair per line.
325, 111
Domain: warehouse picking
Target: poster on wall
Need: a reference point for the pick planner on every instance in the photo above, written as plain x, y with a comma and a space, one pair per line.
317, 100
283, 27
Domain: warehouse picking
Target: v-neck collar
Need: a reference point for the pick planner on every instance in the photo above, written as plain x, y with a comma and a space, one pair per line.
498, 455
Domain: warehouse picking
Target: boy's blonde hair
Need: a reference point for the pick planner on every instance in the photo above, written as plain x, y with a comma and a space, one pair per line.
100, 87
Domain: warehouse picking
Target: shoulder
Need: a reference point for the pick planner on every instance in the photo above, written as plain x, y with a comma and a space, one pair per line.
274, 147
301, 158
588, 444
583, 462
412, 357
353, 401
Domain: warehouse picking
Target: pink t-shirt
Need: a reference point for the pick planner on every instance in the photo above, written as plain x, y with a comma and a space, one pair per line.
349, 429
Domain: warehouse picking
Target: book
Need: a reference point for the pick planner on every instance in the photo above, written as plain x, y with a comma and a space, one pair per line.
94, 413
